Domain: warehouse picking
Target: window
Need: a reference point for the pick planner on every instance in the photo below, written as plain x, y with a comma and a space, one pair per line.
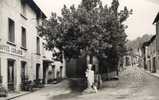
39, 21
11, 32
0, 70
38, 45
23, 7
157, 27
43, 49
23, 41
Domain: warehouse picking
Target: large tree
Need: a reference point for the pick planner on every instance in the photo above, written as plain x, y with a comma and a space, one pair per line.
90, 29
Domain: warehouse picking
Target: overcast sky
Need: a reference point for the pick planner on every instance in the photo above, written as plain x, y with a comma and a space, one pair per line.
144, 12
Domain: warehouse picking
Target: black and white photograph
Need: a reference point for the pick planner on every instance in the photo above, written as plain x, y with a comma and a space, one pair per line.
79, 49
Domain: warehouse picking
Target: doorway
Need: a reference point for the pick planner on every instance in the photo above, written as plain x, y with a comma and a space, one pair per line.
154, 65
23, 71
11, 64
37, 71
45, 69
61, 68
53, 72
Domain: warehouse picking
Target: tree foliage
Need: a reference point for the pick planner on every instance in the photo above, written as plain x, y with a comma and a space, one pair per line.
91, 28
138, 42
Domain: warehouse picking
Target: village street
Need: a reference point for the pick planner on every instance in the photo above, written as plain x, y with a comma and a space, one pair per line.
134, 84
48, 91
65, 50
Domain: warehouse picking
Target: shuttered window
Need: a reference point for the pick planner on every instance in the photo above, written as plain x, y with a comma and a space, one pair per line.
11, 31
38, 45
23, 37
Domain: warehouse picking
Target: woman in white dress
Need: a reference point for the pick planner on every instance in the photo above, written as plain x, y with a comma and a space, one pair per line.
90, 76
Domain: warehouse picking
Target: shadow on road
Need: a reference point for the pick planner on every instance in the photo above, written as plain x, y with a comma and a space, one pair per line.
77, 87
66, 96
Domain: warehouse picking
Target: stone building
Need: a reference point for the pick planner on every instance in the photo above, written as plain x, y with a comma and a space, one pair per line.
22, 52
133, 57
145, 54
151, 55
156, 22
150, 50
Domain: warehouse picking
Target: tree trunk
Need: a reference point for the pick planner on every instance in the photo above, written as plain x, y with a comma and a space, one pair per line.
91, 59
118, 66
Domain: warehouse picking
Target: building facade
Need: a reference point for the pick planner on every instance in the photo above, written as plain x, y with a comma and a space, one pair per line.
156, 22
133, 57
151, 55
22, 52
150, 50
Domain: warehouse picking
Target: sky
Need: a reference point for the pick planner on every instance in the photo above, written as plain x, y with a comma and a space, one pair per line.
139, 23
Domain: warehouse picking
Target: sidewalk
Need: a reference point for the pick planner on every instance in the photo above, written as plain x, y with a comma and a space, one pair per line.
153, 74
44, 93
12, 95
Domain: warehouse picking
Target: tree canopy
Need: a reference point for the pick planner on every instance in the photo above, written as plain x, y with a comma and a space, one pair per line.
91, 28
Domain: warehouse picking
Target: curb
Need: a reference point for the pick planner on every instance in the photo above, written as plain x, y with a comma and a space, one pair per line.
16, 96
13, 97
22, 94
152, 74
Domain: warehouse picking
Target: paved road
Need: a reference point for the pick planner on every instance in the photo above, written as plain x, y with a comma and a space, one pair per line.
134, 84
47, 92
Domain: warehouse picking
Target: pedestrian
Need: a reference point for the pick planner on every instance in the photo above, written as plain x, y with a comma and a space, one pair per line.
91, 87
90, 76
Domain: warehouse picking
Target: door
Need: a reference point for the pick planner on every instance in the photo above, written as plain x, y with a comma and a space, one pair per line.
154, 65
61, 68
53, 72
150, 65
11, 74
37, 71
45, 70
23, 71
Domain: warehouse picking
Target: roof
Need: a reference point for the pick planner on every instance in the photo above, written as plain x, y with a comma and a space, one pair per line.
156, 19
152, 39
35, 7
147, 43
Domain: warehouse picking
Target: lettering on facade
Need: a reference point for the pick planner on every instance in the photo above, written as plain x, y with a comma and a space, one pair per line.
10, 50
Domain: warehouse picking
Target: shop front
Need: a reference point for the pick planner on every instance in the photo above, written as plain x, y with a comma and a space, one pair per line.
11, 67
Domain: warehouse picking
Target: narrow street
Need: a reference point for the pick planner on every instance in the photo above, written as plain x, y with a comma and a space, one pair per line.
134, 84
79, 50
